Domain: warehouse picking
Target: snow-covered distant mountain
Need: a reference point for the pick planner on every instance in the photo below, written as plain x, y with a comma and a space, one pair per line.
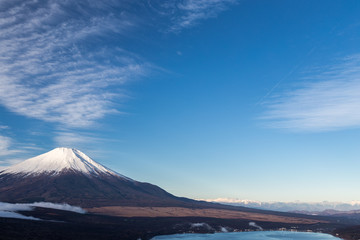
66, 175
297, 206
59, 160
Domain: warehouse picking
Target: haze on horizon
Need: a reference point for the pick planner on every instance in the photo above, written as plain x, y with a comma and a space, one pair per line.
206, 98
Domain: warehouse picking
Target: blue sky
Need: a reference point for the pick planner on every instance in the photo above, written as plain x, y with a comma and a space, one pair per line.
208, 99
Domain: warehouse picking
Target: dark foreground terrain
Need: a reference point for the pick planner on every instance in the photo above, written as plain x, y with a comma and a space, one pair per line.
349, 233
68, 225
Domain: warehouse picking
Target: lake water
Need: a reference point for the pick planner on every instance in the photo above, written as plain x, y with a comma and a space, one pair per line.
260, 235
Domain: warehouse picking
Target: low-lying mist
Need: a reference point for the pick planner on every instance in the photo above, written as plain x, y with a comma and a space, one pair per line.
9, 210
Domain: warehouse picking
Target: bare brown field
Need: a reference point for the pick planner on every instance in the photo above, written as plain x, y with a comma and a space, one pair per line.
188, 212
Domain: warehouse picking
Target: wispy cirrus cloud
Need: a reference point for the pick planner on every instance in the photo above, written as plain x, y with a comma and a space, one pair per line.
6, 146
52, 66
185, 14
193, 11
329, 101
10, 161
74, 139
59, 60
64, 62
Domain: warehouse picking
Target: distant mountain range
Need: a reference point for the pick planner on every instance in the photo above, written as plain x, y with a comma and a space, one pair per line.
300, 207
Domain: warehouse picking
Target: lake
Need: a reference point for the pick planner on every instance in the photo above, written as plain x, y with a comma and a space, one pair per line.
260, 235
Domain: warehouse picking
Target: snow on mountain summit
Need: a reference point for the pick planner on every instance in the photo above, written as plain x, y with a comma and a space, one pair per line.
60, 159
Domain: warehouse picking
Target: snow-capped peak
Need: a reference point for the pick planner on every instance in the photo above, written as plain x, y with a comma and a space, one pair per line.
58, 160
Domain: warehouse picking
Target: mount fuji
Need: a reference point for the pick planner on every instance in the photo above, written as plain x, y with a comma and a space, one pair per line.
66, 175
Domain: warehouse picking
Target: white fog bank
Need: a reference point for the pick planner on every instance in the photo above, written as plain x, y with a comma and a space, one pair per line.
9, 210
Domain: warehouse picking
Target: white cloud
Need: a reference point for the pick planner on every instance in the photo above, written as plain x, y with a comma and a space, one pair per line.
73, 139
6, 214
195, 10
5, 146
54, 63
11, 152
330, 101
201, 225
63, 206
188, 13
9, 210
50, 71
10, 161
253, 224
14, 207
2, 127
